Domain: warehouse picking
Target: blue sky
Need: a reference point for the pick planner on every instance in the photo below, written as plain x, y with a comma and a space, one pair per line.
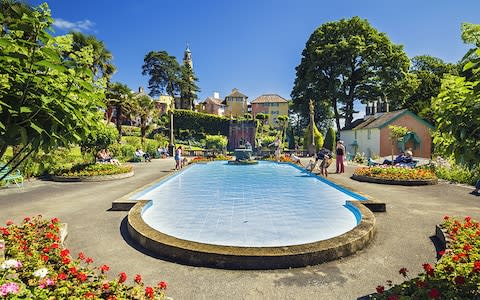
253, 45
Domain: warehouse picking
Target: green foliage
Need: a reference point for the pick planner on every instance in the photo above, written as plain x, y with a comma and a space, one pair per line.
396, 134
48, 92
144, 108
200, 122
99, 138
119, 97
454, 172
344, 61
456, 113
330, 139
188, 87
307, 138
136, 142
151, 146
130, 130
218, 142
122, 152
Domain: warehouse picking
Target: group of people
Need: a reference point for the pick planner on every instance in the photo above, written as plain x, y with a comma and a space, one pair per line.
326, 157
104, 156
404, 158
140, 154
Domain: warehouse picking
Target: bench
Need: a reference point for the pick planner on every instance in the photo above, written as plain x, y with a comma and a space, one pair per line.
14, 177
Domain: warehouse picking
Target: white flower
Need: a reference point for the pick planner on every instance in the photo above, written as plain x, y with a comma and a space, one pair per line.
11, 263
41, 272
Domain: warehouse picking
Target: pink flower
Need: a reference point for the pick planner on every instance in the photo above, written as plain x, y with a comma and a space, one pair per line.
9, 222
9, 288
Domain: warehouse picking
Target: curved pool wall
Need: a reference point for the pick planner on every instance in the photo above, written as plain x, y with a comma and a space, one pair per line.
265, 205
249, 258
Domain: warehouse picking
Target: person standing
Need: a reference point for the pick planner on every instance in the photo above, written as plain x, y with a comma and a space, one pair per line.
340, 152
178, 158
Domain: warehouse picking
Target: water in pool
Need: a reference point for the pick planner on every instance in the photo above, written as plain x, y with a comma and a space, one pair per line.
267, 204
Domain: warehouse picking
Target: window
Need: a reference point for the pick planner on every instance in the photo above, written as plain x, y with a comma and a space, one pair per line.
369, 134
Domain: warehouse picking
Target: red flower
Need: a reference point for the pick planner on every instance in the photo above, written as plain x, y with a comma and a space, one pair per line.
428, 268
441, 253
163, 285
26, 219
434, 293
9, 222
421, 283
46, 250
380, 289
64, 252
459, 280
50, 236
81, 256
106, 286
73, 270
467, 247
4, 231
89, 295
393, 297
45, 258
138, 278
62, 276
123, 277
455, 258
51, 226
55, 220
89, 260
111, 297
104, 268
476, 266
468, 219
149, 292
403, 271
54, 246
82, 277
65, 260
446, 218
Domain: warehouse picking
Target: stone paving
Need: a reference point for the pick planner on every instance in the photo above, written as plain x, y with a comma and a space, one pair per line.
403, 239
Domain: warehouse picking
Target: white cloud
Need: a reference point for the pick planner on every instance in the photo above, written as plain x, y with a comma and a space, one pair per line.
83, 25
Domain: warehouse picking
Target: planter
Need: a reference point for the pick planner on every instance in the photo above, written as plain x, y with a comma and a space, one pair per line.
415, 182
92, 178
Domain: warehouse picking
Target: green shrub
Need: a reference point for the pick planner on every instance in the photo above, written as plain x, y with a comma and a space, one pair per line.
134, 141
218, 142
100, 138
151, 146
330, 139
451, 171
130, 130
200, 122
96, 170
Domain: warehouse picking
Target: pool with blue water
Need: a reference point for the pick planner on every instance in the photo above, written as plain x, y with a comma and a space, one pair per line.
264, 205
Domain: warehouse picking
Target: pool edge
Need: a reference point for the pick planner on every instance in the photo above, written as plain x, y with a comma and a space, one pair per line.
250, 258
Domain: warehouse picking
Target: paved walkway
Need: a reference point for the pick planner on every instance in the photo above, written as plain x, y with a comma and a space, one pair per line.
402, 240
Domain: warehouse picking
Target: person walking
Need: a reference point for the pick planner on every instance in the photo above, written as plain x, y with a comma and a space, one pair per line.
340, 152
178, 158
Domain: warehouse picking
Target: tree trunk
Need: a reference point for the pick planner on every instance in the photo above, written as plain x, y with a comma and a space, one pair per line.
118, 122
337, 115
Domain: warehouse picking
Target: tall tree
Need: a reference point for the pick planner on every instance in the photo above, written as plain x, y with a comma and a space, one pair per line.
188, 87
102, 65
429, 72
119, 97
165, 77
144, 108
345, 61
48, 96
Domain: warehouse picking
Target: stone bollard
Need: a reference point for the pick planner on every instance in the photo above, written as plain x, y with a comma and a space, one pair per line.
2, 251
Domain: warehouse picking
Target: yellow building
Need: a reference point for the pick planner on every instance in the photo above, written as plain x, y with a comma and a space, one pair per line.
271, 104
236, 104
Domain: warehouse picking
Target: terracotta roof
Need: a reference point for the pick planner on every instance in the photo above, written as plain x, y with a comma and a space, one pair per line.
271, 98
214, 100
235, 93
379, 120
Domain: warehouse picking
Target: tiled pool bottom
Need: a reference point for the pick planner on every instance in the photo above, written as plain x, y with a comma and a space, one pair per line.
262, 205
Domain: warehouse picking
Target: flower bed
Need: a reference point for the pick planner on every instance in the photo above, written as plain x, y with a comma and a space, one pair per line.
455, 276
37, 266
395, 175
201, 159
283, 158
95, 172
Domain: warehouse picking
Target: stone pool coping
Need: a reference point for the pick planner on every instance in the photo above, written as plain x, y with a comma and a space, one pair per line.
395, 182
92, 178
250, 258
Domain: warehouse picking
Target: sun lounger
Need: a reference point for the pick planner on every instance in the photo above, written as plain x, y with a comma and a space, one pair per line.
14, 177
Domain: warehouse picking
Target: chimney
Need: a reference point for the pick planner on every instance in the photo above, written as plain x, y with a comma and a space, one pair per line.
216, 95
367, 109
387, 106
140, 89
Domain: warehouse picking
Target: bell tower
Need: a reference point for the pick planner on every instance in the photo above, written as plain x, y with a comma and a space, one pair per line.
187, 57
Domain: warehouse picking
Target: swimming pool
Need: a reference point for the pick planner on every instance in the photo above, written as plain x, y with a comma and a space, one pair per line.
263, 205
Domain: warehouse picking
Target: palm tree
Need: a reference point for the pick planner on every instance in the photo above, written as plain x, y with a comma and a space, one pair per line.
118, 96
102, 65
165, 76
144, 108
